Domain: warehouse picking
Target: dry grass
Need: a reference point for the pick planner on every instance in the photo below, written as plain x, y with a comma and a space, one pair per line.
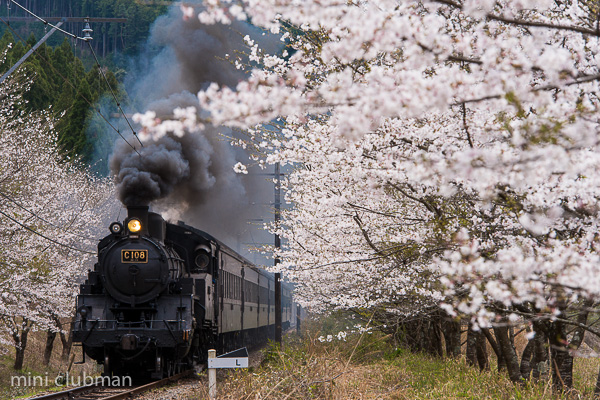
367, 367
33, 366
362, 367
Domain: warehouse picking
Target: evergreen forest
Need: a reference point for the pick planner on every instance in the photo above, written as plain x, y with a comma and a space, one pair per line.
64, 74
110, 38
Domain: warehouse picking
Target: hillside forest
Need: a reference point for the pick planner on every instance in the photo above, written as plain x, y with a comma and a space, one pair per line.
110, 38
64, 73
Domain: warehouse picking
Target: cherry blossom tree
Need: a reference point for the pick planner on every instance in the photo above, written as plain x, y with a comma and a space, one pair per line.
445, 152
50, 210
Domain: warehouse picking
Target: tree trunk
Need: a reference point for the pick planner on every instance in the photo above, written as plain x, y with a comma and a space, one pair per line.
540, 353
511, 335
19, 358
452, 336
499, 357
597, 389
67, 340
482, 353
432, 343
50, 336
21, 343
527, 358
471, 352
562, 360
508, 353
437, 337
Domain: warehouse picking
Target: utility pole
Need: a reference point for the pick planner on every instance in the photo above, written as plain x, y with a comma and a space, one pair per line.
30, 52
277, 247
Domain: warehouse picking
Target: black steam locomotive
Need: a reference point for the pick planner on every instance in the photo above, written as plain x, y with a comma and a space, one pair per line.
162, 294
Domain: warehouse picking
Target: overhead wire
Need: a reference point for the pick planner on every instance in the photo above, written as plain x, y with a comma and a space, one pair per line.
44, 236
77, 92
112, 92
46, 22
15, 202
99, 68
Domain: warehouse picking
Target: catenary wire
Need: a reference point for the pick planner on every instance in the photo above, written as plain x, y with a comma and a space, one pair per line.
41, 218
44, 236
87, 101
88, 40
112, 92
97, 63
66, 80
46, 22
73, 87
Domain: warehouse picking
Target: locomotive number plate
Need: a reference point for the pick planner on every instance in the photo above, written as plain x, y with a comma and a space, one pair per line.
134, 256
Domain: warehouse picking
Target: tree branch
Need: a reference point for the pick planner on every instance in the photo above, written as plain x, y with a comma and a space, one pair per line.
365, 234
553, 319
453, 57
521, 22
372, 211
427, 205
465, 126
578, 81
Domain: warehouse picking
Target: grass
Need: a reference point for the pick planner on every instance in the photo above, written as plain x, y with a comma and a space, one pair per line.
368, 367
34, 368
364, 366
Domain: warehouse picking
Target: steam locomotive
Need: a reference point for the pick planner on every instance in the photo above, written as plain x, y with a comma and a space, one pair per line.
162, 294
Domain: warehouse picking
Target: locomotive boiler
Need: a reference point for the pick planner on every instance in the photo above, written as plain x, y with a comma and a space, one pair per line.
162, 294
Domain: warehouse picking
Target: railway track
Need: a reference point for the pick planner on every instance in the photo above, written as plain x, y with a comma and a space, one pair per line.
98, 392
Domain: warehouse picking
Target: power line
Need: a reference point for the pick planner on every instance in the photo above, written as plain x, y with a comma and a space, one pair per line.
46, 22
73, 87
113, 93
44, 236
40, 218
70, 19
33, 49
87, 39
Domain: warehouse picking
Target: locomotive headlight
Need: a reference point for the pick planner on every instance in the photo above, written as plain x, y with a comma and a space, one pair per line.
134, 225
116, 227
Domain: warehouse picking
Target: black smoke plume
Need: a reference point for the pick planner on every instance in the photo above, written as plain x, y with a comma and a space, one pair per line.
191, 176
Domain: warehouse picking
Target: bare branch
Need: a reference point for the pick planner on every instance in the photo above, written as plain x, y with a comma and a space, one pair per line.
522, 22
465, 126
365, 233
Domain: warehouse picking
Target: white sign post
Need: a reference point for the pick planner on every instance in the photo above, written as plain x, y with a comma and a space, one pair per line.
212, 376
235, 359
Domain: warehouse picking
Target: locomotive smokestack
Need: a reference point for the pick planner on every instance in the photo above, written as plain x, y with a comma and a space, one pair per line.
140, 213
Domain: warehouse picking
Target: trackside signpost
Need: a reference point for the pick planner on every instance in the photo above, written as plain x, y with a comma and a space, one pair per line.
235, 359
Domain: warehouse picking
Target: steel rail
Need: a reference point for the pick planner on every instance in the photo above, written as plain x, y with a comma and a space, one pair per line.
67, 394
153, 385
125, 394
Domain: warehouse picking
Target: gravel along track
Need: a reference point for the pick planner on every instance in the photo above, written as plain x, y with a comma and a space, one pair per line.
197, 387
189, 386
110, 393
